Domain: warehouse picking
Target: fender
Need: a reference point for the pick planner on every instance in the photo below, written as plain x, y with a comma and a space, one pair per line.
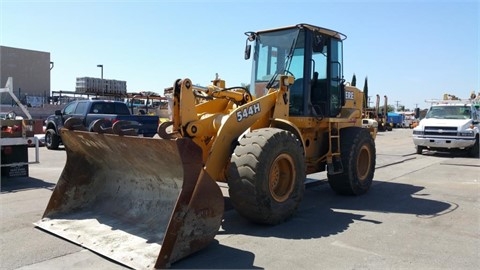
289, 126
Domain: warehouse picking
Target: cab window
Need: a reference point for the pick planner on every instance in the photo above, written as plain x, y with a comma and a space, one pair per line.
70, 108
81, 108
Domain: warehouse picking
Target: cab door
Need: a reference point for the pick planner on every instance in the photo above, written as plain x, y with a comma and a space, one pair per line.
335, 71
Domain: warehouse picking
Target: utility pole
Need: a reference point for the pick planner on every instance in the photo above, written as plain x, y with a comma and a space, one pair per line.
397, 101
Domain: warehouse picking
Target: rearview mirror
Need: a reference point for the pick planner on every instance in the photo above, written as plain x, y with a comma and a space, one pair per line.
248, 49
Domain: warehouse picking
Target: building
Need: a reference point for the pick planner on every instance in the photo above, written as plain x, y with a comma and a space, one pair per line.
88, 85
30, 71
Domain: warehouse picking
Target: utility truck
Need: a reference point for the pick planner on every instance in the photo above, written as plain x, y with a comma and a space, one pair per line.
15, 137
450, 124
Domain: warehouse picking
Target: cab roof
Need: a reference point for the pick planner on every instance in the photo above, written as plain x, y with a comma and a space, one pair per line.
455, 102
314, 28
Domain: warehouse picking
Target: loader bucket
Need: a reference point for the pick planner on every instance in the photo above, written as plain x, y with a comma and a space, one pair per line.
143, 202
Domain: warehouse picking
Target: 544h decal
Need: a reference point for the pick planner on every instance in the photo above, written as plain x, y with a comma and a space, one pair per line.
248, 111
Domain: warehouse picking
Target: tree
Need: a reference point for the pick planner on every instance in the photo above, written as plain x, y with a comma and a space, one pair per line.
365, 93
354, 80
390, 108
246, 86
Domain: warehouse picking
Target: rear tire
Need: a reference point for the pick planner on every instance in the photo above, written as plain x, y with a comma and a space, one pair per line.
52, 140
267, 174
358, 159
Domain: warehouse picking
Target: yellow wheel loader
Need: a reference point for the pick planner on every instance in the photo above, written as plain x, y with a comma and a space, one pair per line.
148, 202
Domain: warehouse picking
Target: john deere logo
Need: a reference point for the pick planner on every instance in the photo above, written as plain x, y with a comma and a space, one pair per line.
349, 95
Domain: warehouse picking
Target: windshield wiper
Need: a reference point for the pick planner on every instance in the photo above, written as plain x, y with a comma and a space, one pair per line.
272, 80
287, 60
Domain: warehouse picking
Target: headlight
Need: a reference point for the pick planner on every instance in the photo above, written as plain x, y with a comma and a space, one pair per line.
468, 133
417, 132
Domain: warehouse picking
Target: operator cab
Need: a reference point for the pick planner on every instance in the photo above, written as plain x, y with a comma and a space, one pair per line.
312, 55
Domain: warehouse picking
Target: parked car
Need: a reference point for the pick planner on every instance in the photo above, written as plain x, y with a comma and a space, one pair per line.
91, 110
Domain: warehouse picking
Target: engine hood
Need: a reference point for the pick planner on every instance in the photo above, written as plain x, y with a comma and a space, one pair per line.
459, 123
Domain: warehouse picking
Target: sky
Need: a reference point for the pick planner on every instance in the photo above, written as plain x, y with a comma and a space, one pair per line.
410, 51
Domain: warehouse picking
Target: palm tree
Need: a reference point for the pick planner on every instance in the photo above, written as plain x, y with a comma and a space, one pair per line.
365, 93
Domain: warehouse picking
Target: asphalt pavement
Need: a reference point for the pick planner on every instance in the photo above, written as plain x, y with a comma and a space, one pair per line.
422, 212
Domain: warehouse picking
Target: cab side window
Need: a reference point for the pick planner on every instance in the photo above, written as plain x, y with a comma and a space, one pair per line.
319, 88
69, 109
476, 112
81, 108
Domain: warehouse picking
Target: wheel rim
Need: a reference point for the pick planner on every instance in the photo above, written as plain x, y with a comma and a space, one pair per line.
282, 178
363, 163
48, 138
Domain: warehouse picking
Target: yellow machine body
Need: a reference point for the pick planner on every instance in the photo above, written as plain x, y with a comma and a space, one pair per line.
148, 202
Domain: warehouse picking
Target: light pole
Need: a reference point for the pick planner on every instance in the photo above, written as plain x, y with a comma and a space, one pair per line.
103, 83
50, 90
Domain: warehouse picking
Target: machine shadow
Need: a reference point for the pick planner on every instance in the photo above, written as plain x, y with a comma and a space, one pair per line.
323, 213
213, 257
16, 184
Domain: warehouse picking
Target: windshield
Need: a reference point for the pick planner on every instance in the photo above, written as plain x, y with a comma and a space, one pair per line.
449, 112
273, 56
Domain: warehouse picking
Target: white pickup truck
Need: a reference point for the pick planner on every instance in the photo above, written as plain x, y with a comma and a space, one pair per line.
449, 125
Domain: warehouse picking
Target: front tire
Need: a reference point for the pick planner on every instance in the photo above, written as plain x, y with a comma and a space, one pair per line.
267, 174
419, 149
52, 140
358, 161
474, 151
